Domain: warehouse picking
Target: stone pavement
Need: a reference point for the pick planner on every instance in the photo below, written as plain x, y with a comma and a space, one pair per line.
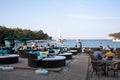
78, 70
75, 70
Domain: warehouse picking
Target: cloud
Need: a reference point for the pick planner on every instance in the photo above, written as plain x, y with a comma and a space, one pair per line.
79, 16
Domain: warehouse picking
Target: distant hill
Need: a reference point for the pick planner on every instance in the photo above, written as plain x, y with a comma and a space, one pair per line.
114, 35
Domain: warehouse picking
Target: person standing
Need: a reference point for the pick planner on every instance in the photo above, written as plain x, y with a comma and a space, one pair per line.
80, 45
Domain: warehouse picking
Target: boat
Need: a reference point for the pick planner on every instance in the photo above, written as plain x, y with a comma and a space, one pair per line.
116, 40
60, 40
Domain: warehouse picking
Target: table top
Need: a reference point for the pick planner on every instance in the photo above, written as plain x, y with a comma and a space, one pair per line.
54, 58
66, 54
8, 56
73, 51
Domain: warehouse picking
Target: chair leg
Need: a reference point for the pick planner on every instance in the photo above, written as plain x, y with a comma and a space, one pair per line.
96, 72
117, 73
92, 73
114, 73
90, 68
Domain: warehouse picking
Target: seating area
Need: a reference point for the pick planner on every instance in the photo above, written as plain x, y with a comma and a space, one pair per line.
23, 53
47, 59
42, 59
105, 67
33, 61
53, 62
56, 61
9, 59
96, 67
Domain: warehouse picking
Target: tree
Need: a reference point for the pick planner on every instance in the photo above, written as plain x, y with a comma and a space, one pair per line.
115, 35
18, 32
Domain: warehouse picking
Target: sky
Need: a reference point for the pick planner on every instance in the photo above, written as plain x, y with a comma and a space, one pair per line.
73, 19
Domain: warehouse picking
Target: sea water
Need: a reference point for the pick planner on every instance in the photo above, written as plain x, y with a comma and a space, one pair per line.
85, 43
91, 43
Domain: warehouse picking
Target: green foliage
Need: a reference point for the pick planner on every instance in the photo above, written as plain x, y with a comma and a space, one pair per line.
18, 32
115, 35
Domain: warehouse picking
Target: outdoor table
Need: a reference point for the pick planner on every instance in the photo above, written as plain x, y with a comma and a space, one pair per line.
53, 62
67, 55
9, 59
106, 63
73, 51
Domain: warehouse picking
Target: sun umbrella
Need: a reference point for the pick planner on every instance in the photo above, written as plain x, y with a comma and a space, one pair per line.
11, 39
24, 39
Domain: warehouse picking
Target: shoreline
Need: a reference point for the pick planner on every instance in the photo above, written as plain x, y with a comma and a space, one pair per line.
42, 40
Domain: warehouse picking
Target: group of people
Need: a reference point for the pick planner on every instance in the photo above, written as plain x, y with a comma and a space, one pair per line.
106, 53
35, 47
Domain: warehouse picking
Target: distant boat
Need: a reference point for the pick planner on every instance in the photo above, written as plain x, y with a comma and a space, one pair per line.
116, 40
60, 40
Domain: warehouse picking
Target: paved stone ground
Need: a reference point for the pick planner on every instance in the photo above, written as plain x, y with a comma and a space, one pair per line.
78, 70
75, 70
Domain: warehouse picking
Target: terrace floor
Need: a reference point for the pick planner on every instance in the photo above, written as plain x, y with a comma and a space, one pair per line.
78, 68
